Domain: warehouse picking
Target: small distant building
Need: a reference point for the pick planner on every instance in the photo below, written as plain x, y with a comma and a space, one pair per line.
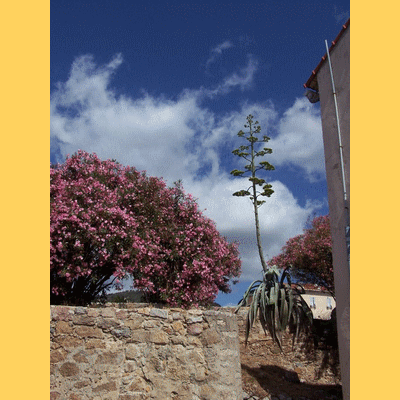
320, 301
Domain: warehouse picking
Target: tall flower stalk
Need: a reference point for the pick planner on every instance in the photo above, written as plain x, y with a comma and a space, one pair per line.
250, 153
276, 302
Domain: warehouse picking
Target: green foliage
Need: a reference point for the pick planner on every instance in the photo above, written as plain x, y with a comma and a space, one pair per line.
242, 193
250, 153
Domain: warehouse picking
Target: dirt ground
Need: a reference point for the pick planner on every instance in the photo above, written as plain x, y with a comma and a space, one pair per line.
306, 373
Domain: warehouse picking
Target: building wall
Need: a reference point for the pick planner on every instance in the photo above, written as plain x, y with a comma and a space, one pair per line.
144, 353
339, 216
321, 309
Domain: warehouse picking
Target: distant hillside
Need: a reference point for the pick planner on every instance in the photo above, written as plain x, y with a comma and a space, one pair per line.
126, 296
132, 296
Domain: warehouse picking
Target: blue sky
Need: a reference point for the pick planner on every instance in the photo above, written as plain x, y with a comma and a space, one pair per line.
166, 86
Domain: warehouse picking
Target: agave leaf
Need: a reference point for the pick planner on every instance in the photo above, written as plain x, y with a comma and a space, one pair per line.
263, 307
272, 295
261, 316
273, 299
305, 308
264, 298
253, 289
269, 321
256, 300
284, 312
282, 299
248, 292
247, 330
252, 313
297, 324
266, 311
278, 329
291, 301
286, 275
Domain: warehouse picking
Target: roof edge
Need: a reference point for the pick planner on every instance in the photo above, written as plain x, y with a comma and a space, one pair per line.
334, 42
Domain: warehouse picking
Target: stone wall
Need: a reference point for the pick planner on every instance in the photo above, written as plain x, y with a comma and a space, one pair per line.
143, 352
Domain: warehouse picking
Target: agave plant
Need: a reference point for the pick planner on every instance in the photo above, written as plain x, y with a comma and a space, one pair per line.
277, 304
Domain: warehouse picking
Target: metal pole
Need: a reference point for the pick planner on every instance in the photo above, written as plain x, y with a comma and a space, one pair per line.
338, 124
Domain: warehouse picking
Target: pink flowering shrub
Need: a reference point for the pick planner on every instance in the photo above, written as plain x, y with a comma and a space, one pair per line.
310, 254
110, 221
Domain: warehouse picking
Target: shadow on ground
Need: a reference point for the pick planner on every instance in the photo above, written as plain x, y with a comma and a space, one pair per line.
276, 380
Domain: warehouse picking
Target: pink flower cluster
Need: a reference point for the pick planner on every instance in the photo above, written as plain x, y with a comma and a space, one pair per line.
109, 220
310, 254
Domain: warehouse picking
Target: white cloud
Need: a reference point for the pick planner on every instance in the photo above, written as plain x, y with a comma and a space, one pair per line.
299, 141
242, 78
173, 139
217, 51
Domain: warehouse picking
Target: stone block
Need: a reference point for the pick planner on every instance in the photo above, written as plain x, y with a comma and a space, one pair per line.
150, 324
177, 316
82, 384
109, 387
179, 340
84, 320
88, 331
123, 332
144, 311
69, 369
210, 337
194, 341
121, 314
200, 374
136, 396
132, 352
108, 324
178, 327
194, 320
195, 311
68, 341
62, 313
177, 371
129, 367
110, 357
57, 356
63, 327
80, 357
195, 329
209, 393
95, 344
134, 323
158, 337
108, 312
93, 312
140, 336
157, 312
139, 385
